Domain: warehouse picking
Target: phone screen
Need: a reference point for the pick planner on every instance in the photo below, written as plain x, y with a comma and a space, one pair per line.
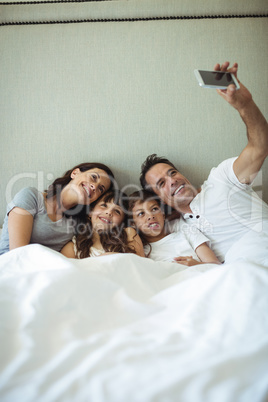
216, 78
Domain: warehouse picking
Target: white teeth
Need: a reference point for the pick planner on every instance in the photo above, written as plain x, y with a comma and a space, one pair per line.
105, 220
178, 189
86, 190
153, 225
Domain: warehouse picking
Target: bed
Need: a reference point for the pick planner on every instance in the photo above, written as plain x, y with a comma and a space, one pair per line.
123, 328
113, 81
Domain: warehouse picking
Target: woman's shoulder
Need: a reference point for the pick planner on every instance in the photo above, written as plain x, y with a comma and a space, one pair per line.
28, 198
28, 191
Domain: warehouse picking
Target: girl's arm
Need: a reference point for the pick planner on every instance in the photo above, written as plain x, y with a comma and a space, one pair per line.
68, 250
204, 253
134, 241
20, 226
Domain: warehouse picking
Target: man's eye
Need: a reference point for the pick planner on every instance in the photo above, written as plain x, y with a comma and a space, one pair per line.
94, 177
155, 209
140, 214
161, 184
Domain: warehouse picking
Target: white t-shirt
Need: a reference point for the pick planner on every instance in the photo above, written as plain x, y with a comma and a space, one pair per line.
182, 241
225, 209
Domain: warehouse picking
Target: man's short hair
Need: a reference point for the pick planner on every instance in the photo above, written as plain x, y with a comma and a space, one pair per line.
150, 161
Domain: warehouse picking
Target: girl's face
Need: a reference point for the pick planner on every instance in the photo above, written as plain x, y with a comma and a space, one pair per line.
149, 219
86, 187
106, 215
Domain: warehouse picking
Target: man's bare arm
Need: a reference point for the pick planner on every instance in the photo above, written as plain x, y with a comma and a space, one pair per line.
249, 162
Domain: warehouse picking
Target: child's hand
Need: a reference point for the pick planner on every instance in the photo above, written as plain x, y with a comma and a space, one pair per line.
187, 260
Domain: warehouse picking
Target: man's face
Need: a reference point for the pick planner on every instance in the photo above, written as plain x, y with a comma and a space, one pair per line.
171, 186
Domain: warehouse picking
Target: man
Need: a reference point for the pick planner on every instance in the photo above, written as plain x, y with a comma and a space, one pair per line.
226, 208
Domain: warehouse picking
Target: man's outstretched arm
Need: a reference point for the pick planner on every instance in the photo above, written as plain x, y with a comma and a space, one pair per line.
253, 155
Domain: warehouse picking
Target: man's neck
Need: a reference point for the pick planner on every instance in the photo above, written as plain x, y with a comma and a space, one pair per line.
185, 210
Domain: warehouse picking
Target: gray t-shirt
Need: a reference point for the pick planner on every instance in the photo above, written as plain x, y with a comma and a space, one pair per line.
46, 232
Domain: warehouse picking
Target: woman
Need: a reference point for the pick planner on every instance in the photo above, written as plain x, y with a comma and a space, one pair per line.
50, 218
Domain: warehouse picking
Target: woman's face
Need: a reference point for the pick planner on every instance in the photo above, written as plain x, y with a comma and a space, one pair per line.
106, 215
86, 187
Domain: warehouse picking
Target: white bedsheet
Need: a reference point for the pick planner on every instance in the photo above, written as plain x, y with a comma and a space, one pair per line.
122, 328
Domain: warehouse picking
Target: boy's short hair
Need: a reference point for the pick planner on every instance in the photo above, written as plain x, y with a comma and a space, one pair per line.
142, 196
150, 161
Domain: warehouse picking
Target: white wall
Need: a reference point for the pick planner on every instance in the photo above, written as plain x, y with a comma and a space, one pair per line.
115, 92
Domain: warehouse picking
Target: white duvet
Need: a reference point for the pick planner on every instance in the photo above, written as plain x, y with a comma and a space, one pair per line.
122, 328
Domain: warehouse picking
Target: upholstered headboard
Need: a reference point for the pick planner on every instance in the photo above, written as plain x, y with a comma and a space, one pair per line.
113, 81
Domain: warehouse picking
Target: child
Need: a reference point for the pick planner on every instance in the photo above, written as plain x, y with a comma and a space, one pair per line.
105, 232
167, 241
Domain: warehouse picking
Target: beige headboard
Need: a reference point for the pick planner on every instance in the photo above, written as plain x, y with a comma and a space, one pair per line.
113, 81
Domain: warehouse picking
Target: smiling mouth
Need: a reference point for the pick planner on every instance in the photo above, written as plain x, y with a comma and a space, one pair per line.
178, 190
104, 220
87, 190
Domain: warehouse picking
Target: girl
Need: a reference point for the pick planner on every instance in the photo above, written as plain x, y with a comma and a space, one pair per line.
167, 241
49, 218
105, 232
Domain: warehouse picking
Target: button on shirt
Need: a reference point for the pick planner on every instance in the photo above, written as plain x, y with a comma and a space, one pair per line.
227, 209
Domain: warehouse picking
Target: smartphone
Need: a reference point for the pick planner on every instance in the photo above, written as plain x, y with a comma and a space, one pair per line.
215, 79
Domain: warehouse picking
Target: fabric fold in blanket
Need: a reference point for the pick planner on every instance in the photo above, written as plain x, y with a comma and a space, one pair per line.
124, 328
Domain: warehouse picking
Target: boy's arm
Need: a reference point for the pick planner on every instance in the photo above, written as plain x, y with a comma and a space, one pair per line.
204, 253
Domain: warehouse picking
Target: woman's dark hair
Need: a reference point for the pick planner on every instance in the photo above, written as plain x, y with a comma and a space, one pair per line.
112, 240
141, 196
58, 185
150, 161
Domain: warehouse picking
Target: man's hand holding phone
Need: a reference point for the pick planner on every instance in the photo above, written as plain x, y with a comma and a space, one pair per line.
238, 98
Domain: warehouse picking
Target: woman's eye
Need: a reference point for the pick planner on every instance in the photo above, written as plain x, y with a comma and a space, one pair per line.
101, 189
118, 212
140, 214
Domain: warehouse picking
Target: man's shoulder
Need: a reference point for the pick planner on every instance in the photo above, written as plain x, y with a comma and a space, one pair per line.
224, 168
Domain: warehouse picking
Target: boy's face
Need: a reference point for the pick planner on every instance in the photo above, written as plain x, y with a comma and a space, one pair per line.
149, 219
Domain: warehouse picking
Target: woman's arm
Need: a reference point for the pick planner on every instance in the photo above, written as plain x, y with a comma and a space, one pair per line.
68, 250
20, 226
134, 241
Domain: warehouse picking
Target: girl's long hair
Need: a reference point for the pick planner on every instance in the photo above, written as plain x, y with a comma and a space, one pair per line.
80, 212
112, 240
